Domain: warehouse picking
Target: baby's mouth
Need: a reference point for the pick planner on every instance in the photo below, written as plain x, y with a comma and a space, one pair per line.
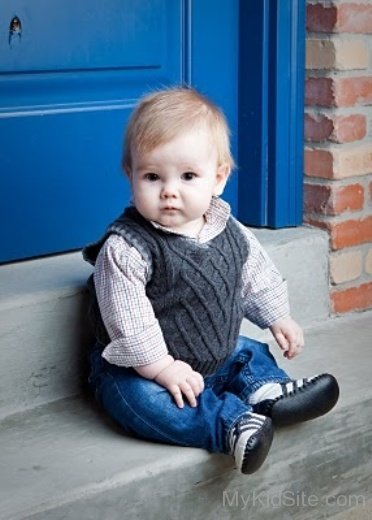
169, 208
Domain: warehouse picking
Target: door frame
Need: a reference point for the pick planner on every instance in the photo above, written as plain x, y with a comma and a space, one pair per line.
271, 112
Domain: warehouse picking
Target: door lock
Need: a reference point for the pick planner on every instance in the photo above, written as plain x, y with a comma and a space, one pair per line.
15, 30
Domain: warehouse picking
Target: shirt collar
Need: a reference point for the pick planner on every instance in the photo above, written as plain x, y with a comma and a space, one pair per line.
216, 218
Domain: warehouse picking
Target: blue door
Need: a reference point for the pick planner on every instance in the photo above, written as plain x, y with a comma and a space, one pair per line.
70, 74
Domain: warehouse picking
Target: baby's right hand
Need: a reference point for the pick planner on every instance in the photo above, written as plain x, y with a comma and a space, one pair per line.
181, 380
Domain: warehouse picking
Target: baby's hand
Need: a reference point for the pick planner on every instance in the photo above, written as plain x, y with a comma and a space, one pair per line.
289, 336
180, 379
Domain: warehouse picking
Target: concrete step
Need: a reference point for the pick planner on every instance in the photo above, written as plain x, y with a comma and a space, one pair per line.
42, 306
361, 511
42, 330
63, 461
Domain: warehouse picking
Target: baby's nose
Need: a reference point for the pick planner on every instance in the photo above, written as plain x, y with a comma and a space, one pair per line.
169, 189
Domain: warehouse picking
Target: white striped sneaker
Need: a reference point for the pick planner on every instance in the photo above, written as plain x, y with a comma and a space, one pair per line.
297, 400
250, 441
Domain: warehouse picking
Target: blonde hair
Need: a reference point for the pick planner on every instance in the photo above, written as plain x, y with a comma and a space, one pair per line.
161, 116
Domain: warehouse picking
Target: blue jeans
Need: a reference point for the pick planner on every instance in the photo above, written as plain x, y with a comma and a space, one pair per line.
145, 409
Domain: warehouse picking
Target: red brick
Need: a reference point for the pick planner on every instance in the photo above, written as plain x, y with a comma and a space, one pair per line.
338, 129
336, 54
338, 162
350, 232
352, 299
349, 91
318, 127
332, 199
345, 17
340, 92
317, 198
319, 163
347, 233
320, 91
347, 198
354, 18
347, 129
320, 18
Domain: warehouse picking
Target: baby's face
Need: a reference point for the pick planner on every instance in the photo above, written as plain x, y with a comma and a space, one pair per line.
173, 184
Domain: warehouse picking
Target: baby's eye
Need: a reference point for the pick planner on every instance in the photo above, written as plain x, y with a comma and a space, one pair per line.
188, 176
152, 177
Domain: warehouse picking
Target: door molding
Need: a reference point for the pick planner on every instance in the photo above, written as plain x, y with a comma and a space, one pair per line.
271, 106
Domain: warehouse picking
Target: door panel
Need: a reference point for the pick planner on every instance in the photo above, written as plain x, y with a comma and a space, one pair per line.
69, 78
68, 84
74, 36
61, 196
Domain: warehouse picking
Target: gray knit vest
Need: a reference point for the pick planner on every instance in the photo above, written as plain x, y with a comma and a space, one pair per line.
195, 289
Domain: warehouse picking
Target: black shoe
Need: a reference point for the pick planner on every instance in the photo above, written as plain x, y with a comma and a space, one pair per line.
301, 400
250, 442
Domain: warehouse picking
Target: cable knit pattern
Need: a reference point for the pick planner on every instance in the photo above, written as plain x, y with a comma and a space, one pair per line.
195, 289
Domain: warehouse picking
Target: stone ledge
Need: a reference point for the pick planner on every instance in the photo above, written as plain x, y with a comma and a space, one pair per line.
40, 280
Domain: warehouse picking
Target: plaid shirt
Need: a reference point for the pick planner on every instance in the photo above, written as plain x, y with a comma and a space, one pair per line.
120, 279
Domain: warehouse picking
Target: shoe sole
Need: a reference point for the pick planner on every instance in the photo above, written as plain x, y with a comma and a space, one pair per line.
316, 399
259, 446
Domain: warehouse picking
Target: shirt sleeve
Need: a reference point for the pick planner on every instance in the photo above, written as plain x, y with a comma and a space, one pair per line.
120, 278
264, 291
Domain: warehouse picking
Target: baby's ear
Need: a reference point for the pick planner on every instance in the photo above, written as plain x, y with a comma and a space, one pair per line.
127, 172
222, 175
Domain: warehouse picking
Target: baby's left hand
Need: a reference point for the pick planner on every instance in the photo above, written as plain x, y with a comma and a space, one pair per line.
289, 336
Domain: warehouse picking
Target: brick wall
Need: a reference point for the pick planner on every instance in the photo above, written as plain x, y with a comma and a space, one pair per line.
338, 153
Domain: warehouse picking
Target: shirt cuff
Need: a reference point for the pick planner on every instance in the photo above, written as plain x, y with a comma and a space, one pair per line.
143, 349
270, 307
